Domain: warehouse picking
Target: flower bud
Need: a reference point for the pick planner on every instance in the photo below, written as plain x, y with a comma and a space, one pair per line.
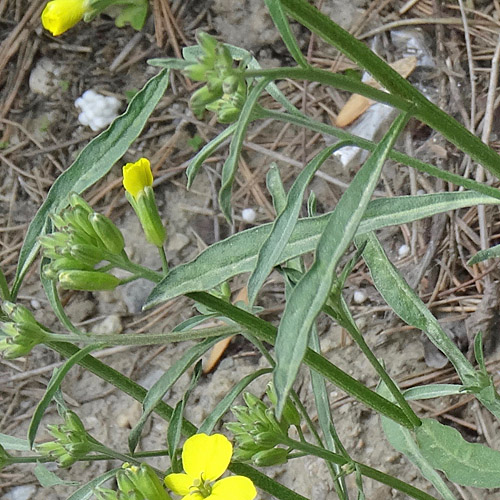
87, 280
276, 456
76, 200
65, 264
202, 97
18, 313
87, 254
267, 439
110, 236
78, 220
61, 15
142, 481
147, 212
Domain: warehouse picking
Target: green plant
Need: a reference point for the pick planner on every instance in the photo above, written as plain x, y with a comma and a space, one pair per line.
80, 255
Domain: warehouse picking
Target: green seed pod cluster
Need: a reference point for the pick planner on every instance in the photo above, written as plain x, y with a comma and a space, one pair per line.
82, 241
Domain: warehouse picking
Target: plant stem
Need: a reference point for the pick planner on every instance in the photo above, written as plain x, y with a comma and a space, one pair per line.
147, 339
164, 261
379, 476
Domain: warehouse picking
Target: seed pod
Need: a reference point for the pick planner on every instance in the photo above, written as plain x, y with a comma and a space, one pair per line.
276, 456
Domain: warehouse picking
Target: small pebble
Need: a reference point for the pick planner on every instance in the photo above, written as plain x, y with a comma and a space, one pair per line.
420, 192
248, 215
359, 296
403, 251
35, 304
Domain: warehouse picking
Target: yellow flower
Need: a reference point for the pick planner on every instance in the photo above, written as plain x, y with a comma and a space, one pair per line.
136, 176
205, 459
61, 15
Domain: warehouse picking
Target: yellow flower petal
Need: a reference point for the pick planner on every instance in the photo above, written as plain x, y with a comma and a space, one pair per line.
233, 488
136, 176
179, 483
207, 455
61, 15
193, 496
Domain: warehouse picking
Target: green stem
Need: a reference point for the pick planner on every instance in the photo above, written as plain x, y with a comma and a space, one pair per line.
334, 80
379, 476
424, 110
164, 261
147, 338
346, 320
126, 264
267, 332
165, 411
305, 121
104, 450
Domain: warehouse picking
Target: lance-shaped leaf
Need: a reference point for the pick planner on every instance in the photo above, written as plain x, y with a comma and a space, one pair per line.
312, 291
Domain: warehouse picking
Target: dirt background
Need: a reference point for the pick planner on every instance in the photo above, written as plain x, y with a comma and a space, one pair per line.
41, 77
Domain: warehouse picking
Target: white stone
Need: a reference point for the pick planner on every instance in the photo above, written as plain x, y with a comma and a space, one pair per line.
24, 492
111, 324
248, 215
403, 251
359, 296
44, 78
97, 111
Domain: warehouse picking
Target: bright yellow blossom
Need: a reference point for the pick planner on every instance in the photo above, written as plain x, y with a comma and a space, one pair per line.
136, 176
61, 15
205, 459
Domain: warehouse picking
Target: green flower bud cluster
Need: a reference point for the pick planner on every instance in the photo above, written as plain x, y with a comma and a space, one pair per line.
71, 443
225, 90
257, 433
135, 483
83, 239
21, 333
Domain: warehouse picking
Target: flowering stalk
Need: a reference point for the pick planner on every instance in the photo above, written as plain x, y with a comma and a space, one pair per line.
138, 182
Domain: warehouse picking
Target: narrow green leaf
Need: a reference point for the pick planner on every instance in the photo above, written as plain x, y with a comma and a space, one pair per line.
13, 443
93, 162
311, 292
464, 463
424, 110
4, 288
238, 253
164, 383
264, 482
266, 332
207, 150
53, 385
300, 119
87, 490
47, 478
432, 391
408, 305
175, 425
489, 253
169, 62
50, 289
402, 440
220, 410
278, 16
231, 163
282, 228
410, 308
275, 187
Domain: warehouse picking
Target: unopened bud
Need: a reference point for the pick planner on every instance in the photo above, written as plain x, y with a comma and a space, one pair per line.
76, 200
276, 456
87, 280
110, 236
